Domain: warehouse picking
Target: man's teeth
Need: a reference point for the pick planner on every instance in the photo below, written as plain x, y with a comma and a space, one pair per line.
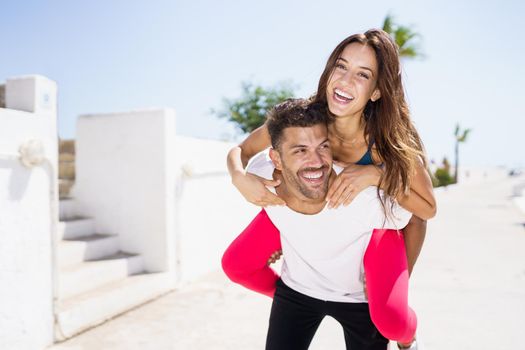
343, 94
315, 175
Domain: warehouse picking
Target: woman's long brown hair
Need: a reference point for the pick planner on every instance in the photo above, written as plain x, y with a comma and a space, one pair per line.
388, 122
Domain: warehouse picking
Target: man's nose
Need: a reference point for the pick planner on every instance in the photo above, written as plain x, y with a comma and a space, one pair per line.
315, 159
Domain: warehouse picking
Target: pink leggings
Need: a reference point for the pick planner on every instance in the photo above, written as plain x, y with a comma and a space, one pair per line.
385, 263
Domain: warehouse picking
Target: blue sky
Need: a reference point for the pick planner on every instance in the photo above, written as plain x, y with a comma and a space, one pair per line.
121, 55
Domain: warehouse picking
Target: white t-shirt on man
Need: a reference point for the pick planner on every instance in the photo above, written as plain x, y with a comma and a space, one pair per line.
323, 253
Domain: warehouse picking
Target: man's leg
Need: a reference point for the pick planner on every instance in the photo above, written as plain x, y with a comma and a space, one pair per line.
294, 319
414, 233
360, 333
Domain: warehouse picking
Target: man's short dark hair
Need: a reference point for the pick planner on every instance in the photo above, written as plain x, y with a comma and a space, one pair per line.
294, 112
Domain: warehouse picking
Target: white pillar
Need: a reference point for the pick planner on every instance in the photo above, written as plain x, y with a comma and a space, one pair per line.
31, 93
28, 201
125, 180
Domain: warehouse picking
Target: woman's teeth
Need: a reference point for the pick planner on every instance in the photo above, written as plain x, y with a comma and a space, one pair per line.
342, 96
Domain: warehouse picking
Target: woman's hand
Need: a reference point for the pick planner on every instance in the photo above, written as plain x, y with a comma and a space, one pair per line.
253, 188
352, 180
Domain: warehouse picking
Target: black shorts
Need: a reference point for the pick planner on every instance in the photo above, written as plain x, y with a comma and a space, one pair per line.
295, 317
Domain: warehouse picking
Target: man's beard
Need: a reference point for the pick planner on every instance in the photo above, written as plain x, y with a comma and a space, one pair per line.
294, 180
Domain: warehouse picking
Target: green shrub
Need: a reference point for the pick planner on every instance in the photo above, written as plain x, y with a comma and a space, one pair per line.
248, 112
443, 177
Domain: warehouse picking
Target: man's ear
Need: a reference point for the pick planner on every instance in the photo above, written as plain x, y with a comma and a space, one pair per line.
376, 95
276, 159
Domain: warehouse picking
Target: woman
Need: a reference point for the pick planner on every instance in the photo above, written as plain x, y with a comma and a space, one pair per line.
372, 136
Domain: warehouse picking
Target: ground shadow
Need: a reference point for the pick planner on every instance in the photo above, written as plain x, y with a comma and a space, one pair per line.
18, 178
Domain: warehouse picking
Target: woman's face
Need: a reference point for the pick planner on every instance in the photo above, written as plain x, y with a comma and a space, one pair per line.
353, 81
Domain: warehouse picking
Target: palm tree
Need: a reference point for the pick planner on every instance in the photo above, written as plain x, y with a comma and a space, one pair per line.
461, 136
404, 37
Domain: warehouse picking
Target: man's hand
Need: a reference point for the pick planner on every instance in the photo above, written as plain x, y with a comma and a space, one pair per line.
364, 287
274, 257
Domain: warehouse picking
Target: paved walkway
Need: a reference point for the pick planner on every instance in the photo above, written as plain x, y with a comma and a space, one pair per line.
468, 289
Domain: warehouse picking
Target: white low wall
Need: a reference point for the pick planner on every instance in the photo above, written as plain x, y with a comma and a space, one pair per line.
124, 179
28, 218
210, 210
168, 197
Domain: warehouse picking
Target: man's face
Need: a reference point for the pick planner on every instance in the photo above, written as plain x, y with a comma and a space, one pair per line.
305, 160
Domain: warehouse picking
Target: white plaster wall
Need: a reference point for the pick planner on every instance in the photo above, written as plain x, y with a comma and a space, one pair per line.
26, 220
125, 179
211, 212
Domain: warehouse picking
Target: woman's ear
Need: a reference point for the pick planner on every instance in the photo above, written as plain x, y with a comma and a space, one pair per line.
376, 95
276, 159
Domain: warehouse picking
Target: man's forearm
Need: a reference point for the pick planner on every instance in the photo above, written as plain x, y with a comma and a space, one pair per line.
414, 234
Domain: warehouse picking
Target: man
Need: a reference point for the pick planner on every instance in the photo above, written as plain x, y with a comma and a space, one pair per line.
323, 249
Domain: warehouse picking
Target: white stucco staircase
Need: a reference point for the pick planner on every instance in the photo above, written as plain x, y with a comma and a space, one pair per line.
97, 281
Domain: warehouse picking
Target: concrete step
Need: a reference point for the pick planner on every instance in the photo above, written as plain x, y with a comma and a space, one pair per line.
67, 209
87, 310
75, 227
89, 275
92, 247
